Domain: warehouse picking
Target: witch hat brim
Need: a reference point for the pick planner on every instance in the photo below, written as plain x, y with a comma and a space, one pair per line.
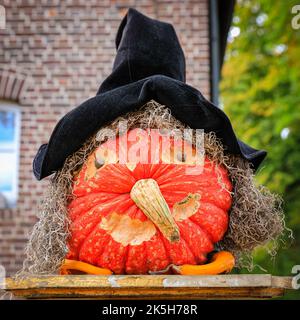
149, 65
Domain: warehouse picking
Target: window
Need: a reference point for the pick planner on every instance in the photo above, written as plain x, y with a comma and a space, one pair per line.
9, 154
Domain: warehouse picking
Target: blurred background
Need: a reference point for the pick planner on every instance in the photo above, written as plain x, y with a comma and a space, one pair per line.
260, 92
242, 55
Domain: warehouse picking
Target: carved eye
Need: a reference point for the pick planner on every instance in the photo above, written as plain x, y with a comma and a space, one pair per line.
164, 132
99, 162
181, 156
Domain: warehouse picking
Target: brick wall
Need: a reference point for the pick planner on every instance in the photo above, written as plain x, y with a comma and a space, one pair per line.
54, 55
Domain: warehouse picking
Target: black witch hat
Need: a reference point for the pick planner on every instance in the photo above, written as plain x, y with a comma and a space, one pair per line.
149, 64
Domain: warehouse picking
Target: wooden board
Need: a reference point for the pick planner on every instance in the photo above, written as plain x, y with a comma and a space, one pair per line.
149, 286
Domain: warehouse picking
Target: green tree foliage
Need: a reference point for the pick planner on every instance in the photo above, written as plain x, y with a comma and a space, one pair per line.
260, 89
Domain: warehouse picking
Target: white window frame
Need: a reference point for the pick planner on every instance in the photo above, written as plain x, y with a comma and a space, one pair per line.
12, 196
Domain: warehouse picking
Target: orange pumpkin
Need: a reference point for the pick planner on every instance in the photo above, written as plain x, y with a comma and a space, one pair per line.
135, 217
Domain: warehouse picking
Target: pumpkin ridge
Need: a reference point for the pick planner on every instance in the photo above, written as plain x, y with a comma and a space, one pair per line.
190, 250
161, 238
74, 202
188, 247
176, 172
182, 240
121, 201
183, 227
113, 243
156, 170
125, 257
78, 249
95, 224
120, 177
97, 259
162, 170
206, 200
94, 206
209, 195
96, 192
128, 261
204, 212
208, 234
105, 239
198, 182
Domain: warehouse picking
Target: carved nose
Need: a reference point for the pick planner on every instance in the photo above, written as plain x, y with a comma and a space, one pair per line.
148, 197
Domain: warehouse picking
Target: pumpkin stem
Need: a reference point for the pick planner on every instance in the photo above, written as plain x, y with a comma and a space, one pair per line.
148, 197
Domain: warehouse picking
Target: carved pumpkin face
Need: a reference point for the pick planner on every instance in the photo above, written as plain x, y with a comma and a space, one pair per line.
137, 217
